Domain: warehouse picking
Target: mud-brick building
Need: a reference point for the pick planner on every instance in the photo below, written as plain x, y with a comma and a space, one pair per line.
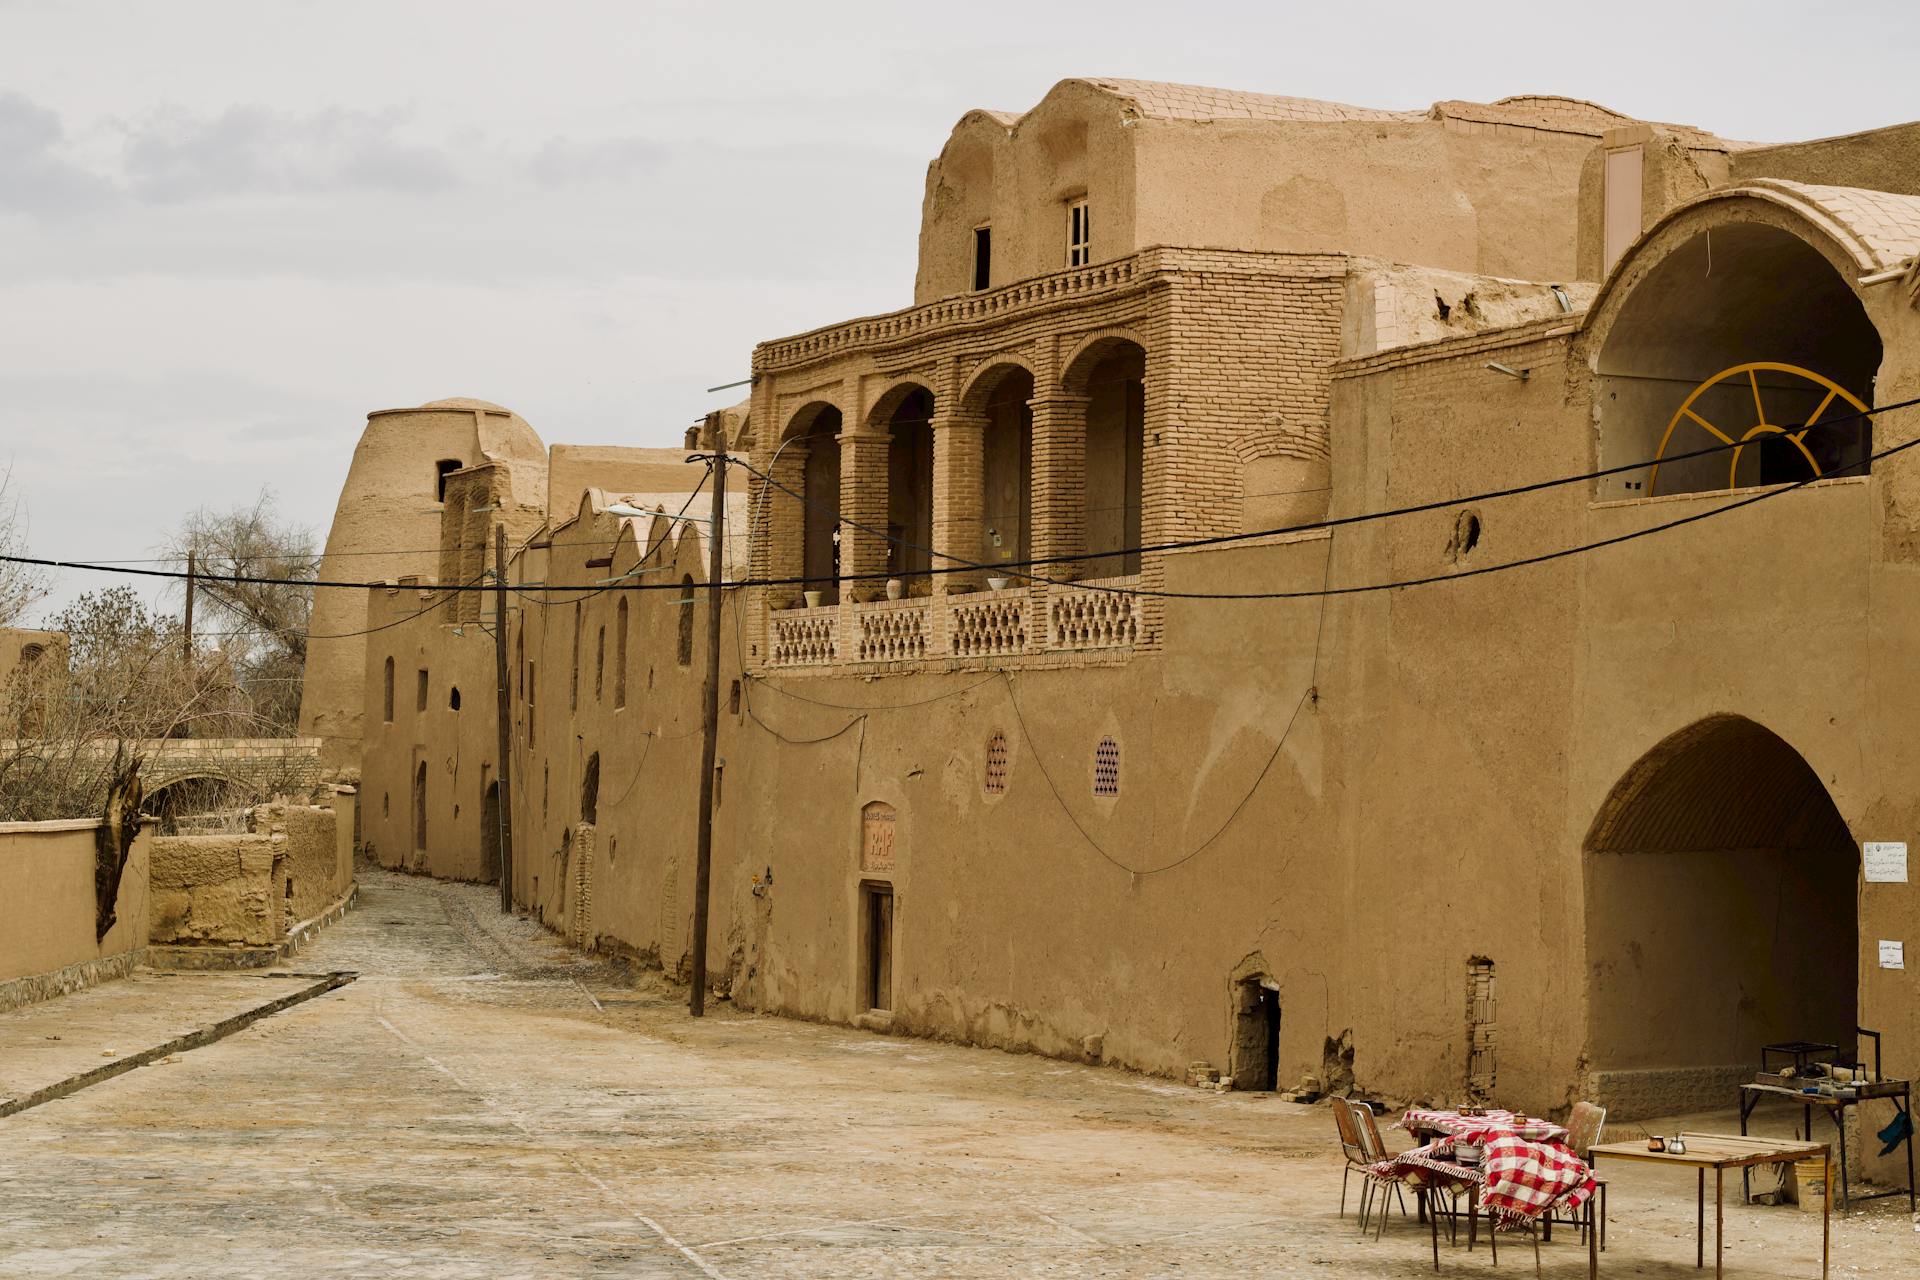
1070, 706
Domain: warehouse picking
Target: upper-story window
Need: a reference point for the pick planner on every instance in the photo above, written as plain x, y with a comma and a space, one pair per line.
441, 470
1079, 235
982, 256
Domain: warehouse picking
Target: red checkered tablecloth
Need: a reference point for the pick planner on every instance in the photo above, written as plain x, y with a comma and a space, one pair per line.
1482, 1129
1525, 1179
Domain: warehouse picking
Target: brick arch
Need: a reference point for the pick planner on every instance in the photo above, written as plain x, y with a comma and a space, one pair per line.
1094, 348
888, 402
985, 377
802, 420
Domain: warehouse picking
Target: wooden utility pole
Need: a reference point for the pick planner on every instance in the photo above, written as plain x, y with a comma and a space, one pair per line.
504, 702
709, 716
186, 634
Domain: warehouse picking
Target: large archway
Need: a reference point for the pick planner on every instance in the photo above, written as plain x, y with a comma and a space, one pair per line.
1730, 331
1722, 914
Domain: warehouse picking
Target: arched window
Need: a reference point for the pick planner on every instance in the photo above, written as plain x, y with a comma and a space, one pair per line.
620, 653
388, 714
686, 620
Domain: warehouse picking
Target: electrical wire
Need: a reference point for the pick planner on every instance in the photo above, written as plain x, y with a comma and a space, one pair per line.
1310, 694
961, 565
1219, 539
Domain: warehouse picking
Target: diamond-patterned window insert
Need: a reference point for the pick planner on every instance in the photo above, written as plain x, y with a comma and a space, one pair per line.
1106, 768
996, 763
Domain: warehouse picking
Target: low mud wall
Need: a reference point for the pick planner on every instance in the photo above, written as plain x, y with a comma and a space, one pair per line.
48, 940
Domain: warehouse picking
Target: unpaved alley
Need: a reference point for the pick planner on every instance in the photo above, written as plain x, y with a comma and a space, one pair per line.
482, 1102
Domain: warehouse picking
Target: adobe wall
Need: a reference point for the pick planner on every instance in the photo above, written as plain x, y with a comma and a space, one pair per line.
219, 890
387, 525
1496, 202
48, 944
456, 746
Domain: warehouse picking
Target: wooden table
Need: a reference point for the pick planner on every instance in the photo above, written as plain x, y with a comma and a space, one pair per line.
1721, 1152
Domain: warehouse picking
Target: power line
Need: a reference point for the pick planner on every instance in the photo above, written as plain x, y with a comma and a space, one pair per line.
1214, 540
962, 565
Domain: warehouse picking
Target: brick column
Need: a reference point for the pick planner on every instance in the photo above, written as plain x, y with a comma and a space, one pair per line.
863, 500
1059, 482
783, 518
959, 496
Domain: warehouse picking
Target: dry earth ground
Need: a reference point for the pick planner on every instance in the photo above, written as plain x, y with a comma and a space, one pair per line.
464, 1109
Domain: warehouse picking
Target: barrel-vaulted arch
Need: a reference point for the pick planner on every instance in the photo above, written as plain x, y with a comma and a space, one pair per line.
1721, 915
1738, 319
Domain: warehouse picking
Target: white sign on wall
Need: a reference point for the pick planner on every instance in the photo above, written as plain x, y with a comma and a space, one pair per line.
1884, 861
1893, 955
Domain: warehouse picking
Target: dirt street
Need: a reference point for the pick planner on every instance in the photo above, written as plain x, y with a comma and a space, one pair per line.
465, 1109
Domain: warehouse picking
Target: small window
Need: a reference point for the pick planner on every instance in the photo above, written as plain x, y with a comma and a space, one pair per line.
420, 691
733, 699
31, 654
453, 698
441, 470
1106, 768
590, 791
1079, 235
389, 697
686, 620
996, 763
982, 257
599, 663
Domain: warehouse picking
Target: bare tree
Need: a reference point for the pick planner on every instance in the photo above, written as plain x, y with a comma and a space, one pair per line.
263, 626
21, 585
80, 729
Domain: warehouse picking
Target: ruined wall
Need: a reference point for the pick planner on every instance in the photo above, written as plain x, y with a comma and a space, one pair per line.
48, 944
314, 875
224, 890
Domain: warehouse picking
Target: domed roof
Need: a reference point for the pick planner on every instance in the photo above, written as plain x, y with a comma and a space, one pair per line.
466, 402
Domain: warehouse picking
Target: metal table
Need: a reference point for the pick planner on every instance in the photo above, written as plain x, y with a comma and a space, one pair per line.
1751, 1095
1721, 1152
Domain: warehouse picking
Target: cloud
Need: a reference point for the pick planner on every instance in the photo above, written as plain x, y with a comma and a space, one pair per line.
34, 178
249, 150
568, 161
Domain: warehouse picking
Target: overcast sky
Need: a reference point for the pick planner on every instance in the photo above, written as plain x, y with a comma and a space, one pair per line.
227, 230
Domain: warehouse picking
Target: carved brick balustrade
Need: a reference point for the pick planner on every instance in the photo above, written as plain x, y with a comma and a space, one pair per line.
1023, 622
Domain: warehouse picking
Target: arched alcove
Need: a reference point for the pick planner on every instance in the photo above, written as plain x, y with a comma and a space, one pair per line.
1721, 912
1764, 306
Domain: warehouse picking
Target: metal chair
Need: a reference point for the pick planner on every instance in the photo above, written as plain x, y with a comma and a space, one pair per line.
1584, 1127
1366, 1131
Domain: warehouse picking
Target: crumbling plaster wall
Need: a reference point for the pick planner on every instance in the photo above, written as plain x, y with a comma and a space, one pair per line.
220, 890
